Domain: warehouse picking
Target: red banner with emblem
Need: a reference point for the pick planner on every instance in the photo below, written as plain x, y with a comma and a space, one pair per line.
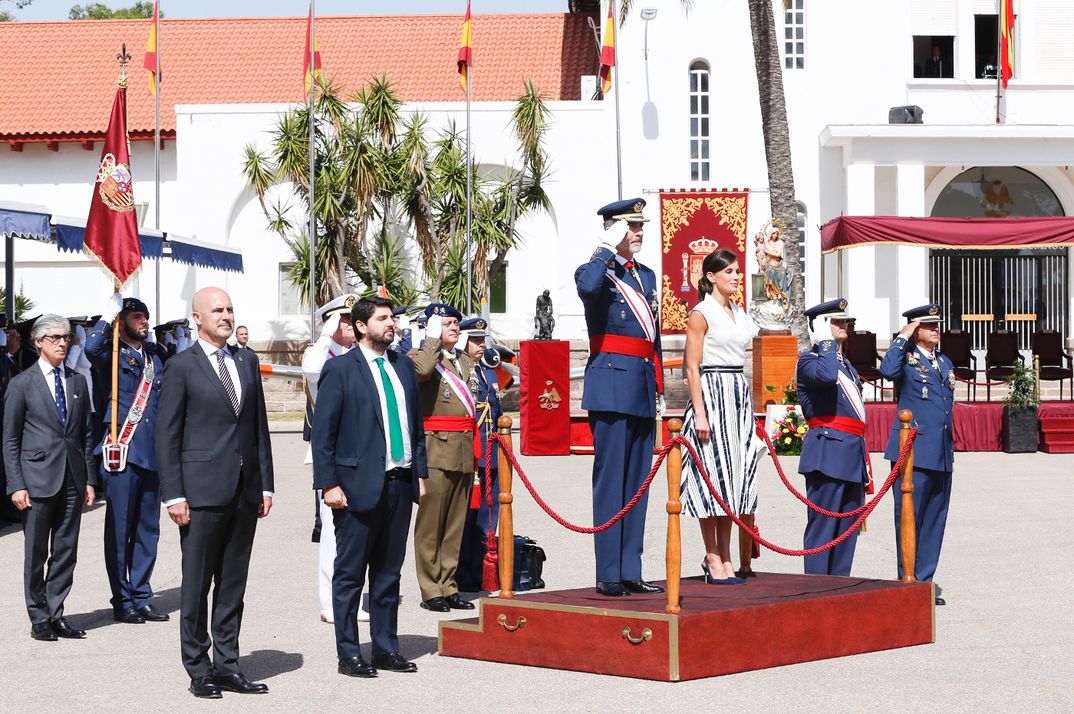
692, 225
545, 397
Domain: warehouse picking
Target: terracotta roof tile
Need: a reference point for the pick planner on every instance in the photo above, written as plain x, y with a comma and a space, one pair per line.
58, 78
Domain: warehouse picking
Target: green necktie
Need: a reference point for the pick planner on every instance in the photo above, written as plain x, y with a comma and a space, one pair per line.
395, 429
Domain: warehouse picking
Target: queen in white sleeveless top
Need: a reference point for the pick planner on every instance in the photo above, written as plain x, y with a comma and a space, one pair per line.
719, 420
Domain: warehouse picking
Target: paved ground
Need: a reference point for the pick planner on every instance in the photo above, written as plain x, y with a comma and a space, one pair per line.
1003, 641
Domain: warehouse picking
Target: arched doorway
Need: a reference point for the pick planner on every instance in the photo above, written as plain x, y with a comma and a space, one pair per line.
985, 290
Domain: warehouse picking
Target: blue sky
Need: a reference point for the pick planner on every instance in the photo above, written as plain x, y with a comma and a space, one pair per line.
58, 9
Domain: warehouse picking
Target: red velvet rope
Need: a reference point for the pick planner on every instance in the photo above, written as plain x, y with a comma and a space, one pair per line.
662, 453
979, 384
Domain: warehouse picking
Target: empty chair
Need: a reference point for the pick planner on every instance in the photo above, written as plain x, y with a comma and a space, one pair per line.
1000, 357
861, 352
1048, 347
956, 345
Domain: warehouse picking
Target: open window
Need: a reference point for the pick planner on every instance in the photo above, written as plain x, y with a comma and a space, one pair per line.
934, 56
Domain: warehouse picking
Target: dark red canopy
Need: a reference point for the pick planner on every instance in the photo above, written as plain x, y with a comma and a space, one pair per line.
1043, 232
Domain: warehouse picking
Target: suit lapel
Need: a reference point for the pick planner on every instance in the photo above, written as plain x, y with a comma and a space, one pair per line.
243, 369
365, 372
45, 391
210, 372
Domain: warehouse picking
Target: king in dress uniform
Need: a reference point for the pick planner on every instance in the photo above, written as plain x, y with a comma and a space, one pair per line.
924, 383
336, 338
129, 466
834, 459
623, 388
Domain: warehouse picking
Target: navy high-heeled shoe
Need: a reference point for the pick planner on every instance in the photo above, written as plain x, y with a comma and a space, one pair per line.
709, 580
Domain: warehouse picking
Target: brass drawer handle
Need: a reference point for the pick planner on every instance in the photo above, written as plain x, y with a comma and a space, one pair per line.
646, 635
502, 619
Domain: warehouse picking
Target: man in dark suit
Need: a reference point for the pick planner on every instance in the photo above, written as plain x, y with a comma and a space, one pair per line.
369, 462
623, 391
132, 520
925, 384
834, 460
215, 464
48, 452
242, 338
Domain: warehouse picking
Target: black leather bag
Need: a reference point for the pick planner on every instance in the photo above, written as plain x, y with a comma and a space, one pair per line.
529, 564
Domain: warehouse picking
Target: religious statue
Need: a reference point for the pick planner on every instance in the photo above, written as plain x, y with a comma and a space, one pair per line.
770, 306
543, 322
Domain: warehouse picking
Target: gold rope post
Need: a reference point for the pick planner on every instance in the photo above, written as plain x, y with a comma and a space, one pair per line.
674, 550
908, 530
507, 526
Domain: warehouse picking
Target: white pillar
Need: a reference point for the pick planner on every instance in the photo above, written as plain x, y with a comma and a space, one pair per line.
859, 263
912, 263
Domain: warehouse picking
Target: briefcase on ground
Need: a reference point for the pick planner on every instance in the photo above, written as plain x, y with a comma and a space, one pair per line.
529, 564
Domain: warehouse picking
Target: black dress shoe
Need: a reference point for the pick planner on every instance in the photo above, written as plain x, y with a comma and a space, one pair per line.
640, 586
62, 629
239, 684
43, 631
203, 687
940, 600
152, 614
356, 667
129, 616
612, 589
457, 603
394, 662
436, 604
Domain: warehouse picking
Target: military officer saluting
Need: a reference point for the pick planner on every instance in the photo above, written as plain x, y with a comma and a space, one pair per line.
834, 459
129, 464
336, 338
472, 554
925, 384
623, 385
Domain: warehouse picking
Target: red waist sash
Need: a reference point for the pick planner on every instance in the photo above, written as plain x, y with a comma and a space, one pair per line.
459, 424
850, 426
631, 347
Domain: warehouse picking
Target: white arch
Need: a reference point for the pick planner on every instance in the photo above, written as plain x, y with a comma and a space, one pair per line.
1053, 177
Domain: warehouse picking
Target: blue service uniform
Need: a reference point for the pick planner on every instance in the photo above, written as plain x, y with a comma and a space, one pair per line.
132, 517
928, 393
472, 552
833, 461
620, 395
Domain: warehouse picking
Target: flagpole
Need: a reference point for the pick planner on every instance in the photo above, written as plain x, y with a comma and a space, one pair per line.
156, 151
469, 193
618, 132
124, 59
999, 57
312, 138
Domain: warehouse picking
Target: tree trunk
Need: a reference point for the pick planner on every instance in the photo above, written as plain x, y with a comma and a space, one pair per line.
777, 149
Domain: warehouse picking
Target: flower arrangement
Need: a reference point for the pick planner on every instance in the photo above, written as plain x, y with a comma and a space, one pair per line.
790, 392
789, 433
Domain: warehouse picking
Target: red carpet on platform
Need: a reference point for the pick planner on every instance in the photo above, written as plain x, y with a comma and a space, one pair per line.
772, 620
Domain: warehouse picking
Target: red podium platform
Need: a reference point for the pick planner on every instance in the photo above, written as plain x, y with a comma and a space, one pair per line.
782, 619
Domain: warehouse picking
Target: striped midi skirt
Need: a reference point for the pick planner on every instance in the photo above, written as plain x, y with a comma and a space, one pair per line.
732, 453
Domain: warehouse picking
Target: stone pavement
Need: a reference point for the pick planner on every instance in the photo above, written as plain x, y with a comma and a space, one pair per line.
1003, 641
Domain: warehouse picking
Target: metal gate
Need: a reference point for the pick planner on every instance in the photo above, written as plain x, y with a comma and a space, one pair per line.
985, 290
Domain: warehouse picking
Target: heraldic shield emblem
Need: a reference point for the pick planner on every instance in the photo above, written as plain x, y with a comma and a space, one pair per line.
115, 187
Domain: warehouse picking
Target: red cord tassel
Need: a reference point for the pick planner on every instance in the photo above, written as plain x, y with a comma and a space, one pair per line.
475, 493
490, 566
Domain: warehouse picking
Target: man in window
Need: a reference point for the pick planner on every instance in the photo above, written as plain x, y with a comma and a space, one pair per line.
935, 67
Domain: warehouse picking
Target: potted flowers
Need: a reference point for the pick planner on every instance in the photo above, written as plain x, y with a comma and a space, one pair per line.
775, 414
788, 435
1020, 411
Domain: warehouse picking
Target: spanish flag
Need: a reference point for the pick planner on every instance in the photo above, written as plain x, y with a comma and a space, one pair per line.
318, 74
1006, 18
466, 49
607, 52
151, 50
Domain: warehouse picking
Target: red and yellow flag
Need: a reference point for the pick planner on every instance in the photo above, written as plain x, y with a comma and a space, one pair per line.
607, 52
1006, 19
466, 49
150, 62
317, 74
112, 227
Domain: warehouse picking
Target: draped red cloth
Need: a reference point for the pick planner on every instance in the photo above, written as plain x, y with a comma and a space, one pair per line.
976, 425
974, 233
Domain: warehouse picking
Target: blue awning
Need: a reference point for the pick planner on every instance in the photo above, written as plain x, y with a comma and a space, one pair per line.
24, 223
71, 233
192, 252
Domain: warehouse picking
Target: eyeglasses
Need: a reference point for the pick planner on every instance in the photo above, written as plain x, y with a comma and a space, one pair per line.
57, 339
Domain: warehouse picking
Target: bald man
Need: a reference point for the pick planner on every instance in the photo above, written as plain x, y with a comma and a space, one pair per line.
215, 480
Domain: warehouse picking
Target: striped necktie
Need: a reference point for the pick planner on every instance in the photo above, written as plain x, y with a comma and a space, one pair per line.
225, 378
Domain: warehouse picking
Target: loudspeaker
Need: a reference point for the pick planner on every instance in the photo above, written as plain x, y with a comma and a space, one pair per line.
912, 114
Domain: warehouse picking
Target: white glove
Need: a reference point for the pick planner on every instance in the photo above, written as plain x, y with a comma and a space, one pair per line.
113, 308
80, 334
169, 338
661, 406
180, 332
821, 329
331, 325
434, 328
73, 353
151, 337
404, 322
3, 337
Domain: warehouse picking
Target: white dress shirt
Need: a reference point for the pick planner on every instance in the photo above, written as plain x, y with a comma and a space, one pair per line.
400, 400
50, 380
